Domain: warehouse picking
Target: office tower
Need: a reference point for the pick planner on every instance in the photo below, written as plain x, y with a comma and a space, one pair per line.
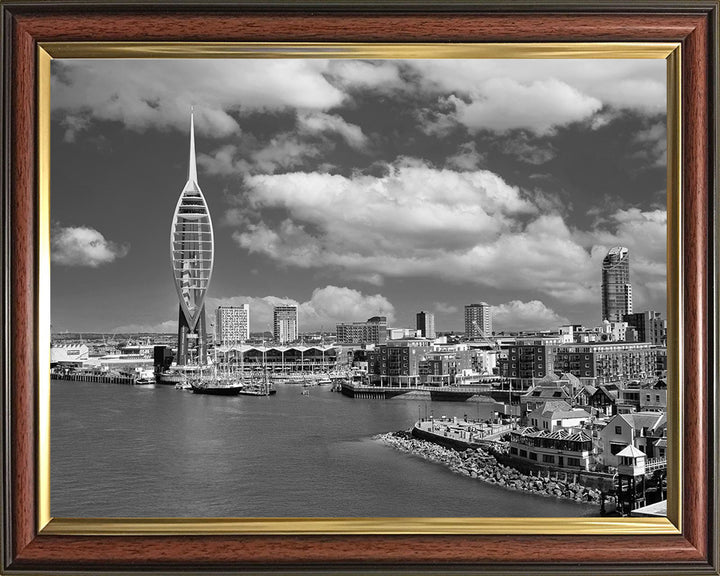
191, 254
478, 320
616, 287
232, 324
285, 323
425, 322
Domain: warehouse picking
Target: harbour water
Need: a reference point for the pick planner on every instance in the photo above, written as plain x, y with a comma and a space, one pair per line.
133, 451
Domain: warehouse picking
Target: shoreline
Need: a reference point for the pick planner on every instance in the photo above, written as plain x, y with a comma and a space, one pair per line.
480, 464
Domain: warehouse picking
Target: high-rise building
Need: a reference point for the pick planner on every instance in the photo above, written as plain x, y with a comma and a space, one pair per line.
285, 323
374, 331
616, 287
232, 324
425, 322
478, 320
191, 253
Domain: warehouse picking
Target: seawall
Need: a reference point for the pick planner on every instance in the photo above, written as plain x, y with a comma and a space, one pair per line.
481, 464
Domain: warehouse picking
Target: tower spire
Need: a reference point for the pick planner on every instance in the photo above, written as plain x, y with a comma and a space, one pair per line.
192, 171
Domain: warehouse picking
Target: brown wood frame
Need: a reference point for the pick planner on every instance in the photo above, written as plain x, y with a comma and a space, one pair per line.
693, 23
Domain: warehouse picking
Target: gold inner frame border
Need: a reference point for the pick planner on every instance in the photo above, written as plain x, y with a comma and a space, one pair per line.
670, 51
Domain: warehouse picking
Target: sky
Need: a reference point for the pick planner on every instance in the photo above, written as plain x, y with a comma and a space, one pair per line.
359, 188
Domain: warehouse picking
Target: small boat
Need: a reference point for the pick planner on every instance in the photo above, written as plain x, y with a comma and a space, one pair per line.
145, 382
170, 377
305, 393
257, 391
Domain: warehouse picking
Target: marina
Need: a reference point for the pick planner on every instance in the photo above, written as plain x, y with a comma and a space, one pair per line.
293, 456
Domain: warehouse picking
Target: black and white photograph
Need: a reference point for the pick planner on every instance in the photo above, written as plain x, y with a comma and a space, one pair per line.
344, 288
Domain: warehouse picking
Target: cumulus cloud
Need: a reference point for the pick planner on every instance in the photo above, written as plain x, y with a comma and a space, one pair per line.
519, 315
411, 207
83, 246
283, 152
321, 123
653, 139
445, 308
467, 157
144, 94
527, 150
380, 75
503, 104
637, 85
418, 221
482, 94
326, 307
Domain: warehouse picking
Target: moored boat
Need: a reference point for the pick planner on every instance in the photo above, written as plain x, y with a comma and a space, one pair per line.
216, 388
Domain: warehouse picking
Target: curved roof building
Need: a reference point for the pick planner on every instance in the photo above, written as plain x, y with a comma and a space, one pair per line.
192, 250
616, 287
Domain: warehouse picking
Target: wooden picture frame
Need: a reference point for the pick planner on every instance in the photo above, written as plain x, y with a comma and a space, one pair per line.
29, 548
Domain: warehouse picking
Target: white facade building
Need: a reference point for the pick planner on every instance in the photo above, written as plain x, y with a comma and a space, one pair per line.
232, 324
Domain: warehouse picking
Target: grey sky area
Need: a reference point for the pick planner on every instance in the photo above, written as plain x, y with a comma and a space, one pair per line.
355, 188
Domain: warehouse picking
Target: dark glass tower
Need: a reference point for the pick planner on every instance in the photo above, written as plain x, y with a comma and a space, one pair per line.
191, 253
616, 287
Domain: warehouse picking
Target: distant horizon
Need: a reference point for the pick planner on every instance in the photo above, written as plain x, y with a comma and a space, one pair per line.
359, 188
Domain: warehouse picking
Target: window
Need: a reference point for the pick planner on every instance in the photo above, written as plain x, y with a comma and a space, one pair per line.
513, 450
647, 397
618, 429
657, 397
615, 448
573, 462
533, 456
549, 458
523, 453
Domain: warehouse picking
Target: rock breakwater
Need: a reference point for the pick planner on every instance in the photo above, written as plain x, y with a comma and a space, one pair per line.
481, 464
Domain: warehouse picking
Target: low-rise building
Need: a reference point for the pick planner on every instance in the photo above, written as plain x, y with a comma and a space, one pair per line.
528, 360
443, 367
653, 399
604, 400
68, 354
397, 363
565, 448
641, 430
605, 362
552, 387
553, 416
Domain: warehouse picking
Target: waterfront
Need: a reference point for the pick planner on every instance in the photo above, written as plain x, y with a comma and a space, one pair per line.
134, 451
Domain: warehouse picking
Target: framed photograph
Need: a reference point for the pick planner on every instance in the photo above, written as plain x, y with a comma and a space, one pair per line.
350, 287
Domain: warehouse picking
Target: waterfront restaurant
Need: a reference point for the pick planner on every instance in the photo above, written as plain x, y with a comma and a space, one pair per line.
282, 359
565, 448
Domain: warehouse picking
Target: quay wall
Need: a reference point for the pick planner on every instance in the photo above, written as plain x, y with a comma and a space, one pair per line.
99, 378
440, 394
482, 464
